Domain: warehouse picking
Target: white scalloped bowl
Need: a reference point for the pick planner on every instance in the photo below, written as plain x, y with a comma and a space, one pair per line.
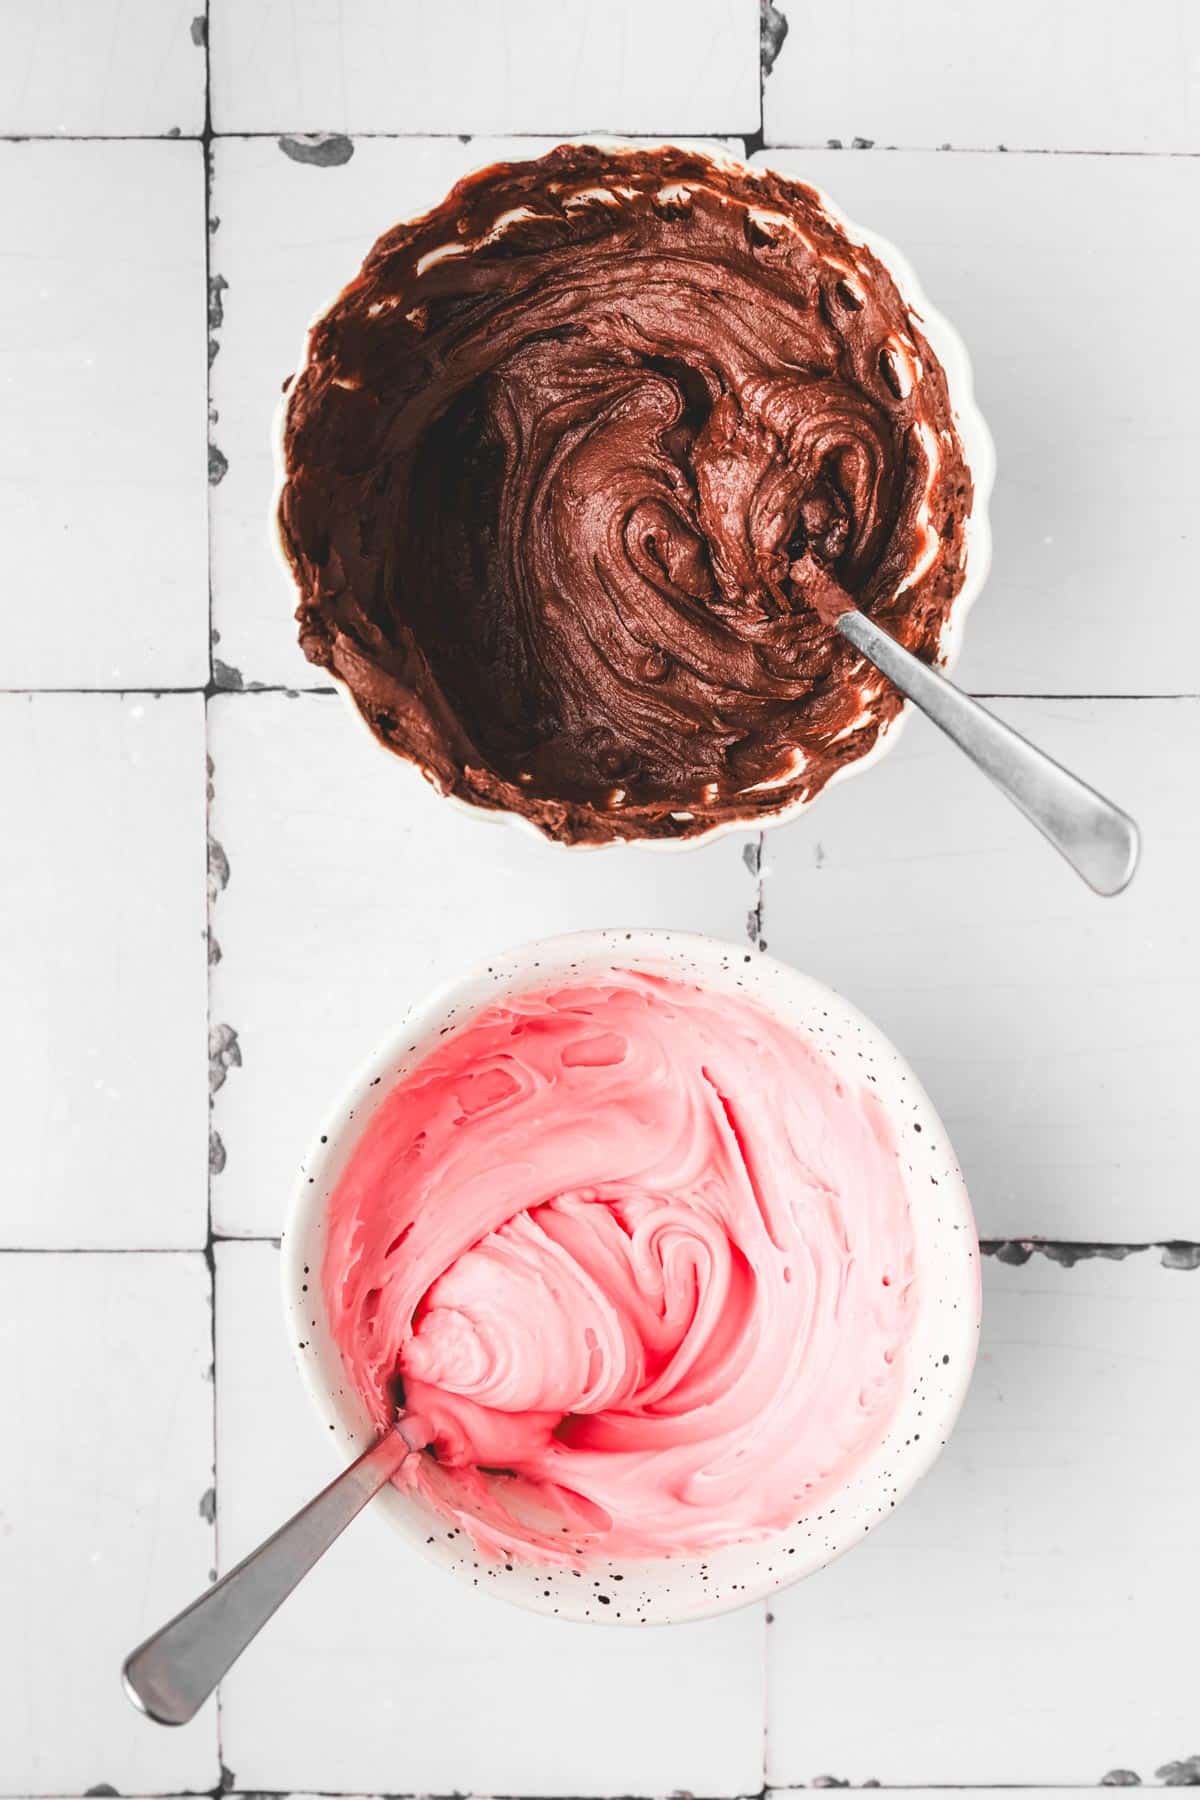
978, 450
938, 1359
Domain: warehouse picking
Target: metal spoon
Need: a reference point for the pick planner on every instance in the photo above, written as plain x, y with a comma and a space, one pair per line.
171, 1675
1100, 841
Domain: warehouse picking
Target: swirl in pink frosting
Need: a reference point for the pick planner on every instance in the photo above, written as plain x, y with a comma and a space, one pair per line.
642, 1261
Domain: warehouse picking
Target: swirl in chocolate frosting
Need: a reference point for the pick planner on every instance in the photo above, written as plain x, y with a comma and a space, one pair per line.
580, 471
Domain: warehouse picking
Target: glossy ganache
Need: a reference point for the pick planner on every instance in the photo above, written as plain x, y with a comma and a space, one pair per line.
581, 466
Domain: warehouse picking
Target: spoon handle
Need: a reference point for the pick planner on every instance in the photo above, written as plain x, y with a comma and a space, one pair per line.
171, 1675
1099, 841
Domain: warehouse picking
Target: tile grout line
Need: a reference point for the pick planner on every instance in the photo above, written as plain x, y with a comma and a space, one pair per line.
753, 855
211, 689
752, 140
223, 1779
103, 1250
761, 935
1185, 1252
1013, 150
768, 1791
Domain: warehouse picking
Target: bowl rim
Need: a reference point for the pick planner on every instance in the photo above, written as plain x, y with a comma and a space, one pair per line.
946, 1252
978, 451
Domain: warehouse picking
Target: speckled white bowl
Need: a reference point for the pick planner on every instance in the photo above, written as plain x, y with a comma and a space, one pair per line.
980, 457
940, 1355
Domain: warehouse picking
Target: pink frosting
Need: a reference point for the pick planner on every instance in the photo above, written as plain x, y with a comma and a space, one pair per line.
642, 1260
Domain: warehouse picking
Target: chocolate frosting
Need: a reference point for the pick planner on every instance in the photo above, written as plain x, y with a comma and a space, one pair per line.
580, 471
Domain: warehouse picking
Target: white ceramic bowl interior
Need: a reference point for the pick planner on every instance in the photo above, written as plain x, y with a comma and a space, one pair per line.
940, 1355
980, 458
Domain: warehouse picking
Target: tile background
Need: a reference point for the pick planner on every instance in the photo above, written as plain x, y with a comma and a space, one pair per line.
181, 188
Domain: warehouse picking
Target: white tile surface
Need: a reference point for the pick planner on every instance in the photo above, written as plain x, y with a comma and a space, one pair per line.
1054, 1031
103, 486
386, 1673
485, 65
106, 1419
352, 890
1026, 1615
1043, 264
102, 973
102, 67
1075, 75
